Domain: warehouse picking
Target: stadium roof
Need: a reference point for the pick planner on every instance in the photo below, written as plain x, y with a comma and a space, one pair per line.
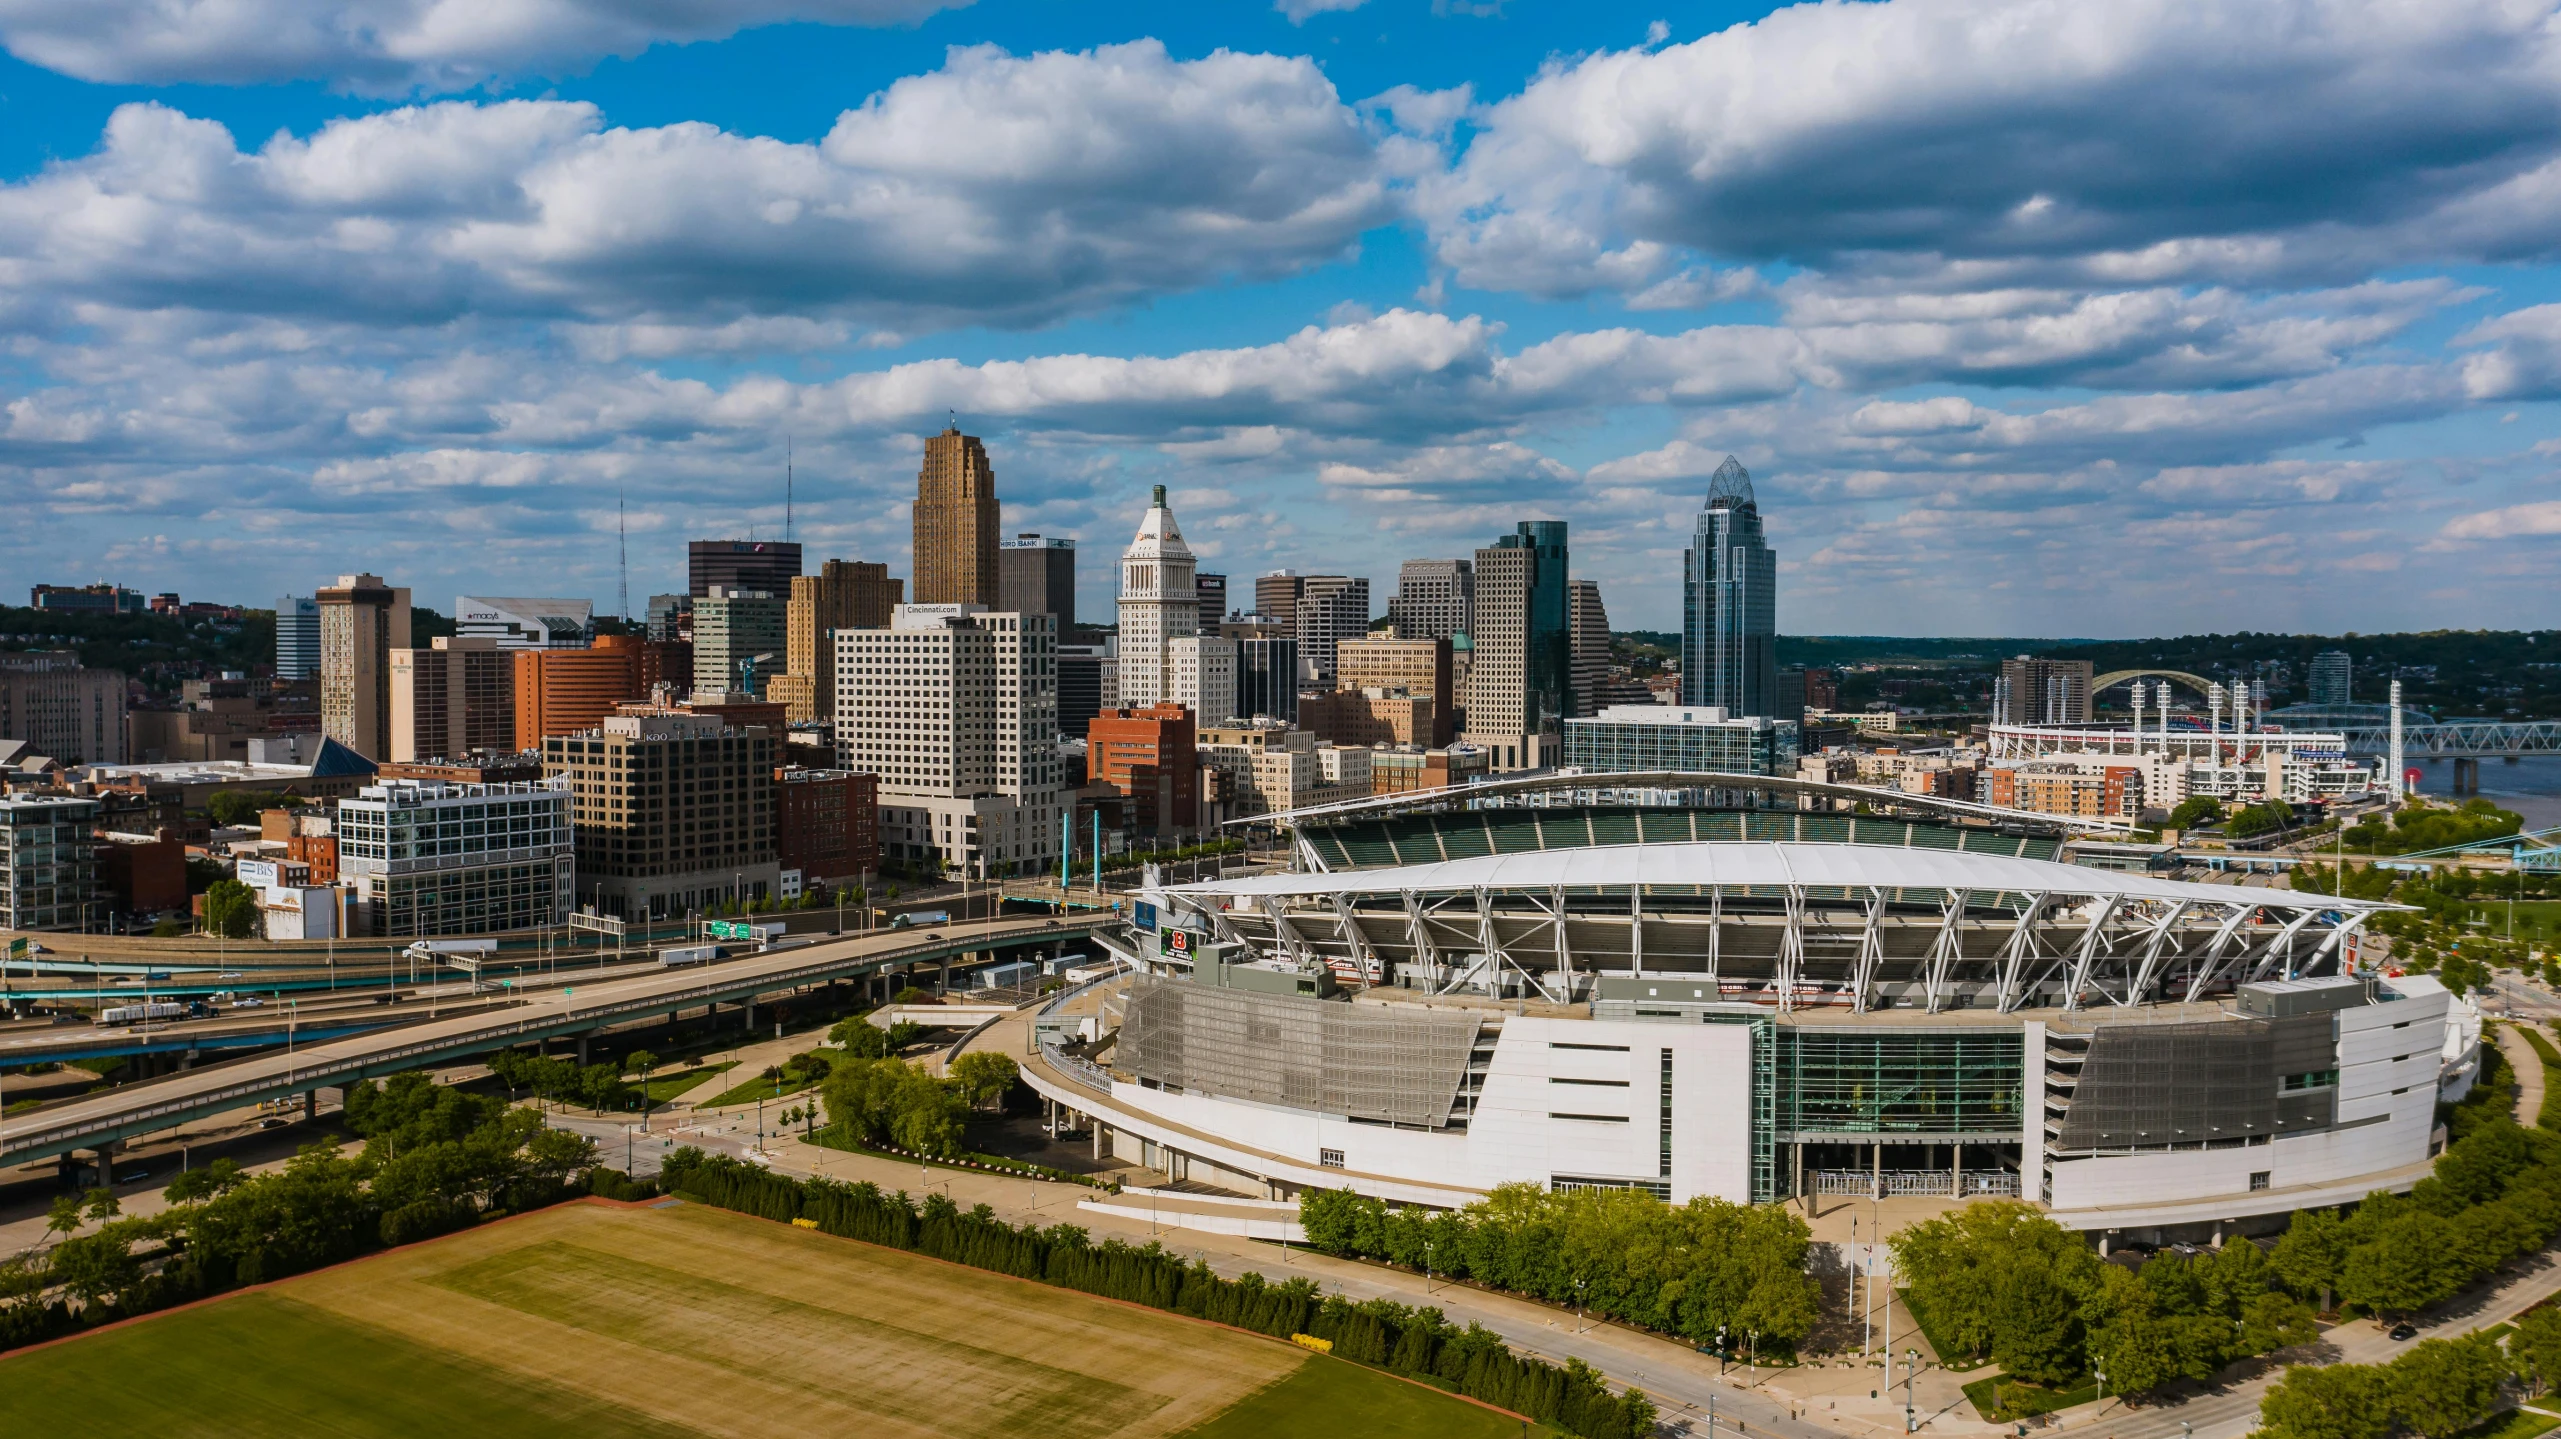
1462, 796
1779, 864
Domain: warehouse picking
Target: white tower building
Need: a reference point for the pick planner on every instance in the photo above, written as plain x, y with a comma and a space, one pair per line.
1164, 658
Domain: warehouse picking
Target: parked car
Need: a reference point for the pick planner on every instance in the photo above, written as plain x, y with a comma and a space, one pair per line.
2405, 1331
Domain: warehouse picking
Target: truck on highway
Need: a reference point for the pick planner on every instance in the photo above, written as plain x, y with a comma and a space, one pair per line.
691, 954
915, 917
142, 1013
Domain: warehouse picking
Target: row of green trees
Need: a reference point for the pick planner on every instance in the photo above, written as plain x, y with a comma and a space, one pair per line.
1997, 1279
1699, 1270
1421, 1342
596, 1086
434, 1159
2439, 1389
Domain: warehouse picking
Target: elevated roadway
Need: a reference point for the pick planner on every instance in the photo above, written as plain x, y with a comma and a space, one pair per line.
99, 1121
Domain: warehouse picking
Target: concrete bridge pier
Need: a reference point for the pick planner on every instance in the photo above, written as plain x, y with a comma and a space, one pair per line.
582, 1051
311, 1104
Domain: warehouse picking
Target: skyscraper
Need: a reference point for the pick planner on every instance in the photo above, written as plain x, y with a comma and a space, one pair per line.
455, 698
1729, 602
738, 640
1590, 624
1036, 575
1331, 609
956, 523
362, 620
1164, 657
297, 638
956, 709
843, 595
1520, 682
2331, 679
1213, 601
1434, 599
766, 565
1276, 594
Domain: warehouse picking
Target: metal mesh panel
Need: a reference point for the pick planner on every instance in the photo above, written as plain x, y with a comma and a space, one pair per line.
1394, 1063
2145, 1085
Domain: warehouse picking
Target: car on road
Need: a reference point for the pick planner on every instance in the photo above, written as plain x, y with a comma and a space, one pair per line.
272, 1122
133, 1176
252, 1002
2405, 1331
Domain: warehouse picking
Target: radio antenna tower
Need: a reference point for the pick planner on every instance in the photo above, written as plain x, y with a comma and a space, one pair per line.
622, 555
786, 488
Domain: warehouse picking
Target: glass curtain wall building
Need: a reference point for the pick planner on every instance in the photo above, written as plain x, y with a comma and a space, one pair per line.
1729, 602
1626, 739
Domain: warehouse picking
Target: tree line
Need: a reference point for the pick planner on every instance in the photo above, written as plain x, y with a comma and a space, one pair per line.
2439, 1389
1378, 1332
1998, 1280
1702, 1270
434, 1159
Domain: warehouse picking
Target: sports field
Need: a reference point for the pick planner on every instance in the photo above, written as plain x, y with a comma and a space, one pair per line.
688, 1320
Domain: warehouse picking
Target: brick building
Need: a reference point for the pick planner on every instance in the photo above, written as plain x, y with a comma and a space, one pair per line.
827, 823
1151, 756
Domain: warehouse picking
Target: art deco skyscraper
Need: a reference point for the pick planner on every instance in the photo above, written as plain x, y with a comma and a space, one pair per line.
1729, 602
956, 523
1164, 657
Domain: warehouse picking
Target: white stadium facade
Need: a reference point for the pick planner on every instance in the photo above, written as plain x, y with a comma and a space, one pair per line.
1687, 988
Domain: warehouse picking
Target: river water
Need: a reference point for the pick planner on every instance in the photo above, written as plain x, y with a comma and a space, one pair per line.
2531, 786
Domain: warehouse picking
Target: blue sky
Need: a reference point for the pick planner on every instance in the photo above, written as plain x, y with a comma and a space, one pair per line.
2027, 317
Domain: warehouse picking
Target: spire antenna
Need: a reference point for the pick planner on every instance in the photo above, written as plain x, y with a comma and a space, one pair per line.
786, 488
622, 555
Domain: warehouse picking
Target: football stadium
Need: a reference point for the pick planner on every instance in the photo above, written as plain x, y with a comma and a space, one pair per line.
1686, 988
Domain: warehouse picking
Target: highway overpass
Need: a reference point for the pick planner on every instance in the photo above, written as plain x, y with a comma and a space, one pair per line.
99, 1121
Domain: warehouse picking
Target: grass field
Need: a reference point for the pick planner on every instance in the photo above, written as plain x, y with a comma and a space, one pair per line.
688, 1320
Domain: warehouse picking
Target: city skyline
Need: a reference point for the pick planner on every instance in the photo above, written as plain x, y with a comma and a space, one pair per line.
1415, 276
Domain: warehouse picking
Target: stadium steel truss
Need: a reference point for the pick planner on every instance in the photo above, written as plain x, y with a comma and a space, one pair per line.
1791, 924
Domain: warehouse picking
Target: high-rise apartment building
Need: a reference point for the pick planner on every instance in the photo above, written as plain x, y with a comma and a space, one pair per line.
1435, 599
297, 638
48, 862
1520, 681
674, 812
843, 595
362, 620
1276, 594
955, 522
525, 624
1035, 575
956, 709
1331, 609
455, 698
767, 565
63, 710
1590, 624
2331, 679
428, 858
2041, 691
1729, 602
738, 640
